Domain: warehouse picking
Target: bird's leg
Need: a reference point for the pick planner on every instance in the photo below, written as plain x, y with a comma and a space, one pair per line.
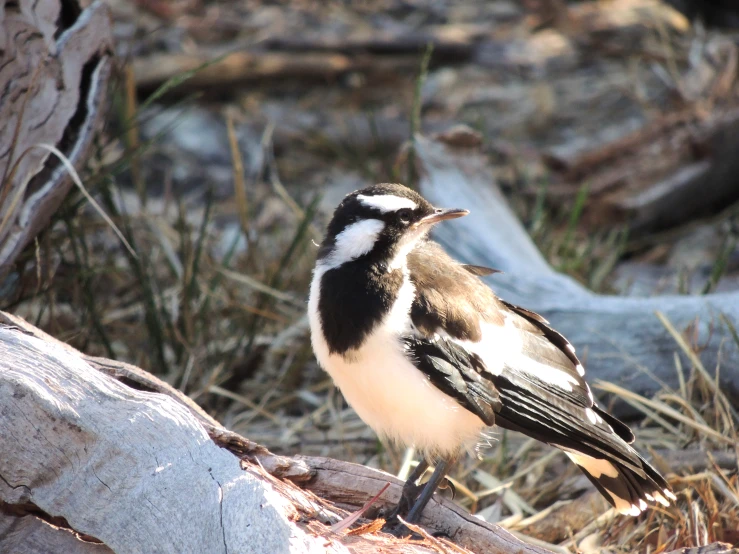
428, 490
410, 492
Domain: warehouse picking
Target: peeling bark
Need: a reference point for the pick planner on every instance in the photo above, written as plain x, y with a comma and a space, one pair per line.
53, 86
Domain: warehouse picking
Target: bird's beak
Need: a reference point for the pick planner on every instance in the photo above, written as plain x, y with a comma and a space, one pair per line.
441, 215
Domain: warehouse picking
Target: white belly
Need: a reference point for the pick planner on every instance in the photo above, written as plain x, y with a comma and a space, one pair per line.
389, 393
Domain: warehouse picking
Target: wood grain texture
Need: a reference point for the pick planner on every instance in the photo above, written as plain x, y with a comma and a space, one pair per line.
53, 77
618, 339
135, 470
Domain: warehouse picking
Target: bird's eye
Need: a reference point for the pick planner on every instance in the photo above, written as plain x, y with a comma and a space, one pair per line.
405, 215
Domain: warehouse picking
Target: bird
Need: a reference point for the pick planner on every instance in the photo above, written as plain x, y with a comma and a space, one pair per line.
428, 356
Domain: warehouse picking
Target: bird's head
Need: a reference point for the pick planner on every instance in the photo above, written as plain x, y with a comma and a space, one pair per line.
382, 221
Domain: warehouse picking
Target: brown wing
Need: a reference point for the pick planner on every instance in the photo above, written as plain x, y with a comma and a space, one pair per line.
449, 296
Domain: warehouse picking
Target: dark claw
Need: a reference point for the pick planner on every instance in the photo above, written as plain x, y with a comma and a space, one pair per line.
407, 499
452, 487
411, 492
428, 491
400, 531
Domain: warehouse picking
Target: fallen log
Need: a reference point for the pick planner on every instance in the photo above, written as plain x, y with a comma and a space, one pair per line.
454, 42
113, 468
319, 58
99, 467
619, 339
32, 534
129, 469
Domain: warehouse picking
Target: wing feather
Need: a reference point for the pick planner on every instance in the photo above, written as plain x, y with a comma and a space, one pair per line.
539, 390
456, 372
480, 270
454, 299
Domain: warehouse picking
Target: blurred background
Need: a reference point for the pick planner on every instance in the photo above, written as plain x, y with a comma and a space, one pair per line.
236, 126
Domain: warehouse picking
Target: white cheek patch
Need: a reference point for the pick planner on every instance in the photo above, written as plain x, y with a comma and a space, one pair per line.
354, 241
387, 202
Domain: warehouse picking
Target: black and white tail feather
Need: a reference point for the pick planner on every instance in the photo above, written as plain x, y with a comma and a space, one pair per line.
427, 355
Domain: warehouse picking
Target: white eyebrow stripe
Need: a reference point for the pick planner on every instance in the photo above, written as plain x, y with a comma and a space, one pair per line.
387, 202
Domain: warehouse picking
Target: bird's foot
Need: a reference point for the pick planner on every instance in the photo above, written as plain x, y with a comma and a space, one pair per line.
400, 530
408, 498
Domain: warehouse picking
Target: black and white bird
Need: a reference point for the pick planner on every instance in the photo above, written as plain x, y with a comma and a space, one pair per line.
428, 356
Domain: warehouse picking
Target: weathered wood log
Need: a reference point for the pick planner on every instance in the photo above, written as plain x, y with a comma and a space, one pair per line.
55, 61
619, 339
115, 468
676, 167
134, 470
450, 41
318, 58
